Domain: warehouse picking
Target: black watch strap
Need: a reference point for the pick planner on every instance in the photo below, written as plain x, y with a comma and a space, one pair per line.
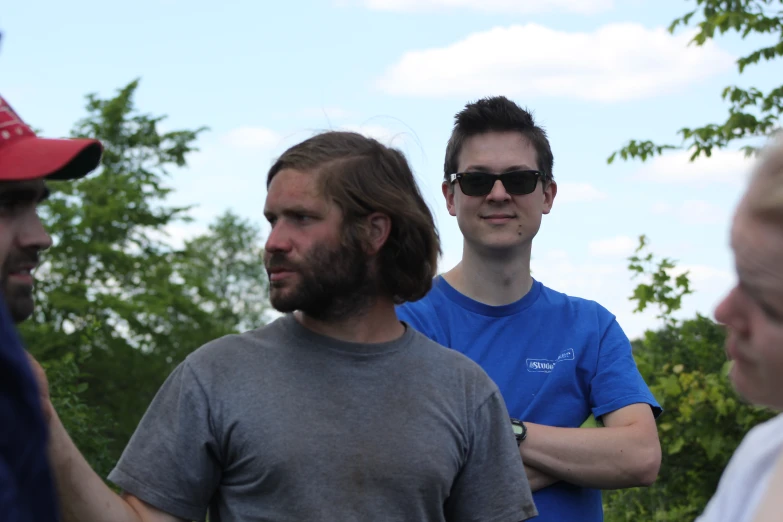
520, 430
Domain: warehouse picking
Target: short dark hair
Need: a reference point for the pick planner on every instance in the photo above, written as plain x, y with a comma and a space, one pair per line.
362, 176
497, 114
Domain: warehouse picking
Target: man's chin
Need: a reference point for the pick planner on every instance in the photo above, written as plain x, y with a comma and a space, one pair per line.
282, 301
21, 308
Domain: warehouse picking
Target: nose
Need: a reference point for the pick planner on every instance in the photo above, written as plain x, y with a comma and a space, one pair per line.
731, 311
498, 192
279, 240
32, 233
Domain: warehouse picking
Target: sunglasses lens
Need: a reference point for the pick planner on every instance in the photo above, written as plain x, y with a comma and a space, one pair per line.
477, 183
520, 183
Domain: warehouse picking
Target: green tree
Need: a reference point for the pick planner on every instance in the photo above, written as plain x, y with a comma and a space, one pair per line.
226, 264
117, 306
752, 113
703, 421
87, 426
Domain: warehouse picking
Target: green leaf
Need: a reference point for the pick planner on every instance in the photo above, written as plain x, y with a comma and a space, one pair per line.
752, 114
676, 446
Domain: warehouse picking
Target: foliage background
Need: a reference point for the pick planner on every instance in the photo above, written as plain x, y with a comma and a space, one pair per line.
703, 420
684, 362
118, 306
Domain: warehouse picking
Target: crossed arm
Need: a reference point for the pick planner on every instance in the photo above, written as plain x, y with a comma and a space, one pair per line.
625, 453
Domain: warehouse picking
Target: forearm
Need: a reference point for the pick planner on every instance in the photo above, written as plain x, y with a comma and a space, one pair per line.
602, 458
83, 496
538, 479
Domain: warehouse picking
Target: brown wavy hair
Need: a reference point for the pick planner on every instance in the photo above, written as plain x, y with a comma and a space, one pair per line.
362, 176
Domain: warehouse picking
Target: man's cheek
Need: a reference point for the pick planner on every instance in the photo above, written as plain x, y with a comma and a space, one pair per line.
5, 245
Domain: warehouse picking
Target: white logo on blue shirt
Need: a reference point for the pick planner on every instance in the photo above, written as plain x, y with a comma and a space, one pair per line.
546, 365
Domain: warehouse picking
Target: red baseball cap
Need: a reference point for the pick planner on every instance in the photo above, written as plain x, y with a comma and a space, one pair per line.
25, 156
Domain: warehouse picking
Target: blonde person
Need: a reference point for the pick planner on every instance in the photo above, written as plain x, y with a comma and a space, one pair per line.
752, 484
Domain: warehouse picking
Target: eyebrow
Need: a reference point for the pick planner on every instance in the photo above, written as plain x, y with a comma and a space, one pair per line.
482, 168
288, 211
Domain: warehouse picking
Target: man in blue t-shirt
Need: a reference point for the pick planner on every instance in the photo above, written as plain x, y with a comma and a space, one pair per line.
558, 360
26, 486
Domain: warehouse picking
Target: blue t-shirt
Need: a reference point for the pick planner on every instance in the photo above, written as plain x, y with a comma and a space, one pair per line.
555, 358
26, 487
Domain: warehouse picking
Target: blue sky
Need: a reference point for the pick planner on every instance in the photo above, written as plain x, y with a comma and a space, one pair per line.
262, 76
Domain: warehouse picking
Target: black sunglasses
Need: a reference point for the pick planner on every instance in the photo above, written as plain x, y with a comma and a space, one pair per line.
516, 182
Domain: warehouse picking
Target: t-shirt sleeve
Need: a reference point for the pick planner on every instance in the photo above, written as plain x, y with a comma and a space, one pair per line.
617, 382
172, 461
492, 485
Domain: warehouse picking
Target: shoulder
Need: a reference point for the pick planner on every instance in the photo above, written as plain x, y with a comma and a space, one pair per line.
556, 298
225, 354
423, 308
762, 441
756, 453
427, 314
451, 367
435, 352
585, 311
741, 484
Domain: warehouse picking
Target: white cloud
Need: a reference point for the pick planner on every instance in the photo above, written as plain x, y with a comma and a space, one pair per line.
615, 246
693, 212
724, 166
493, 6
578, 192
254, 138
616, 62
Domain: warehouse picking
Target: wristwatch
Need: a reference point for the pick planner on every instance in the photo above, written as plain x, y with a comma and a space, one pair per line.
520, 430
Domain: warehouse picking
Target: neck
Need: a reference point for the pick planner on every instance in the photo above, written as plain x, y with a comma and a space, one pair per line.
493, 278
376, 323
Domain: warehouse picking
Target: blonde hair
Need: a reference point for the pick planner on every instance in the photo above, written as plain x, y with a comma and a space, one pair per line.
765, 194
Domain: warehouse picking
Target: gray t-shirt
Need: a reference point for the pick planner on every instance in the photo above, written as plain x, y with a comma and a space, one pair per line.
282, 424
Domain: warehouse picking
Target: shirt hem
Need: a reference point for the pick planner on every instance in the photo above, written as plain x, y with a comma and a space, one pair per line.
627, 401
525, 514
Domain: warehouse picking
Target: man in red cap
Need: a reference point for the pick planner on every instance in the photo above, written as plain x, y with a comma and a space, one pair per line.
26, 162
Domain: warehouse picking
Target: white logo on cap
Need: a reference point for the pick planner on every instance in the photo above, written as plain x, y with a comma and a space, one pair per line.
8, 118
